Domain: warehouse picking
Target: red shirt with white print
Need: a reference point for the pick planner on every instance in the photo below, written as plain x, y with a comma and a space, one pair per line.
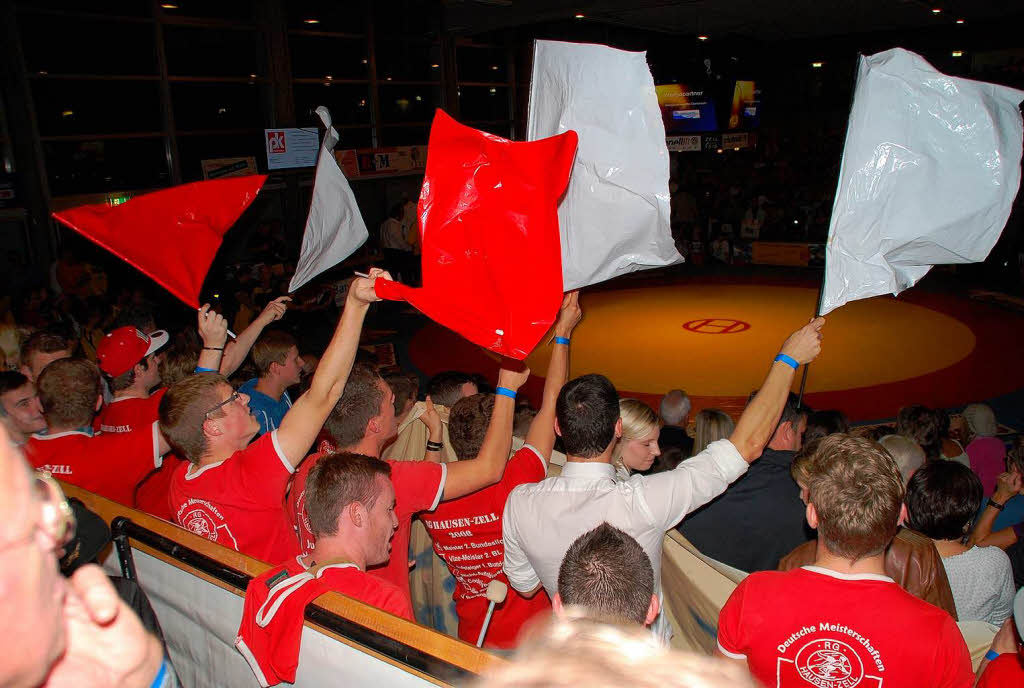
418, 487
467, 536
129, 413
813, 626
110, 465
239, 502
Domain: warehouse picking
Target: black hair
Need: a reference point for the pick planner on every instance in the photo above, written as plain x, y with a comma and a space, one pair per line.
587, 410
942, 499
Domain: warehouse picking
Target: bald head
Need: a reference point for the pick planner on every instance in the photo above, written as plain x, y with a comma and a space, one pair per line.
675, 408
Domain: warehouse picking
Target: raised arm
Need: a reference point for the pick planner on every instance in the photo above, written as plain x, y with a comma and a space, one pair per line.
213, 330
486, 469
756, 425
300, 425
236, 351
541, 435
1008, 486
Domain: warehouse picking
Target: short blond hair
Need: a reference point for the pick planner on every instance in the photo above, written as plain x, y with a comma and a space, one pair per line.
857, 490
272, 347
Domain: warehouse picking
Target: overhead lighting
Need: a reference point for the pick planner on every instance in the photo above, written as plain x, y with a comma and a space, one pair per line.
817, 65
494, 68
434, 66
960, 21
719, 150
958, 53
365, 61
736, 148
329, 77
419, 99
168, 5
43, 72
702, 37
387, 79
67, 113
310, 21
493, 91
936, 10
252, 76
580, 15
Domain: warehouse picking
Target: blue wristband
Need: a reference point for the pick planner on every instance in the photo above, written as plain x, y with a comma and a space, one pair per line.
200, 369
562, 340
991, 654
788, 360
164, 677
505, 392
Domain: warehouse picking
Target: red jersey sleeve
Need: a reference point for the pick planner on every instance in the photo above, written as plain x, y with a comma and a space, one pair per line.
525, 466
1005, 670
261, 471
130, 456
418, 485
732, 635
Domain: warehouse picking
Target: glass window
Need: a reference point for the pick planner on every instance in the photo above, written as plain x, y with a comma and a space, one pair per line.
194, 149
77, 106
314, 57
502, 129
214, 52
316, 15
408, 61
354, 137
348, 103
404, 103
483, 103
75, 167
237, 10
124, 8
200, 106
481, 64
406, 19
73, 45
404, 136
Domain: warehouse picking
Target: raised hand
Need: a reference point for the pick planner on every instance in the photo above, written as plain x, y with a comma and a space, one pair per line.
513, 379
804, 345
431, 418
213, 328
274, 310
362, 289
569, 315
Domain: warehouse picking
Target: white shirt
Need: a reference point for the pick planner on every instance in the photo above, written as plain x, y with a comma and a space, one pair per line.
981, 580
542, 520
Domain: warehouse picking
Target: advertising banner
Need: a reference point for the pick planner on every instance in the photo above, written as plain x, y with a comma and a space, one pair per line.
291, 148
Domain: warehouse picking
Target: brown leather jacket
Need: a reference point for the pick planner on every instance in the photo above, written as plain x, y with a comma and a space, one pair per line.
911, 560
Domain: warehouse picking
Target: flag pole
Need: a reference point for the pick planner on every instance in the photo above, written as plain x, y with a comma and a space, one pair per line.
821, 285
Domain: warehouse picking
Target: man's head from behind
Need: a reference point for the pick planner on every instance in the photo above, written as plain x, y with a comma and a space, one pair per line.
41, 349
855, 495
448, 387
365, 410
19, 406
587, 416
203, 411
467, 424
70, 393
350, 496
276, 355
675, 408
608, 574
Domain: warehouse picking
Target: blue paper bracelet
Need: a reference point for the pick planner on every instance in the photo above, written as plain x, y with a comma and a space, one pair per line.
505, 392
562, 340
165, 677
991, 654
200, 369
788, 360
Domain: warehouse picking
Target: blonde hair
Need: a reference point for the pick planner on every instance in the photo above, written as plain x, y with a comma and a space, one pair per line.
710, 426
638, 420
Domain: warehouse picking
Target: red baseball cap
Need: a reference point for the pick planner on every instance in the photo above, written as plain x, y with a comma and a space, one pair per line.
121, 349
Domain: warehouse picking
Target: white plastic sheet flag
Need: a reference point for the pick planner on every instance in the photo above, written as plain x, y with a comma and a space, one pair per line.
614, 218
930, 170
334, 228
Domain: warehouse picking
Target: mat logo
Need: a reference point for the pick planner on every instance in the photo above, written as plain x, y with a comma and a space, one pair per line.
716, 326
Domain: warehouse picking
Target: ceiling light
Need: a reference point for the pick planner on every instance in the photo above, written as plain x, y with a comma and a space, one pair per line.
43, 72
702, 37
365, 61
493, 91
936, 10
817, 65
960, 21
310, 21
580, 15
169, 6
719, 150
329, 77
434, 66
67, 113
419, 99
252, 76
494, 68
387, 79
958, 53
736, 148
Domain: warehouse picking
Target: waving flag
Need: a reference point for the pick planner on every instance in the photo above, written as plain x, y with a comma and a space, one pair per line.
492, 268
614, 217
334, 227
170, 235
930, 170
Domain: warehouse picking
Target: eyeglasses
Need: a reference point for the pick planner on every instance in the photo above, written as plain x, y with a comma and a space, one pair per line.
56, 519
234, 397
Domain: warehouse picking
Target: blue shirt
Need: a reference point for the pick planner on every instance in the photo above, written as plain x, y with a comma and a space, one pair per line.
1011, 515
268, 410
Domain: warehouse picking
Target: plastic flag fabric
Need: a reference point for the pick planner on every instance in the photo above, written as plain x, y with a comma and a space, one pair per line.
334, 227
614, 218
929, 173
492, 268
170, 235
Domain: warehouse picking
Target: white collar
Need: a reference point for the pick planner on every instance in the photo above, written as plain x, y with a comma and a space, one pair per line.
588, 469
848, 576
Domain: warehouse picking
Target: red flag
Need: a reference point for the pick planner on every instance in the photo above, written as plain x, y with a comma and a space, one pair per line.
488, 211
170, 235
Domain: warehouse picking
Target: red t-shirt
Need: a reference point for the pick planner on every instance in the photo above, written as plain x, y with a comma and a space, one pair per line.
109, 465
153, 493
239, 502
129, 413
1003, 671
418, 487
467, 535
812, 626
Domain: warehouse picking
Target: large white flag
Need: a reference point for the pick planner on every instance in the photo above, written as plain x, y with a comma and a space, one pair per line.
930, 170
614, 218
334, 228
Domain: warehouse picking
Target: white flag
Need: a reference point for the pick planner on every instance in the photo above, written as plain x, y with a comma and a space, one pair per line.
930, 170
334, 228
614, 218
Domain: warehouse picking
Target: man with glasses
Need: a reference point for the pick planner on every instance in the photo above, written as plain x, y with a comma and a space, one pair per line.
232, 492
73, 631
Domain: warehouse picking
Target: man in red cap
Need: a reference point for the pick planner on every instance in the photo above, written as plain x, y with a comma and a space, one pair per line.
127, 359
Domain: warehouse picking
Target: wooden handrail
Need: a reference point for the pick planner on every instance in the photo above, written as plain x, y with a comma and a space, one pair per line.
450, 650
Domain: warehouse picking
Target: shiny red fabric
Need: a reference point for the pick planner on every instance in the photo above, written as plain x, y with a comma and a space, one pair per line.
488, 212
170, 235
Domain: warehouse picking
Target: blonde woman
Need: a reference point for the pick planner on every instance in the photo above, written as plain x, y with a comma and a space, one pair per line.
709, 426
638, 447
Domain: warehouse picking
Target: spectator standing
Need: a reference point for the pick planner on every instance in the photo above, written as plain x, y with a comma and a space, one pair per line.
986, 452
637, 449
710, 426
674, 410
278, 367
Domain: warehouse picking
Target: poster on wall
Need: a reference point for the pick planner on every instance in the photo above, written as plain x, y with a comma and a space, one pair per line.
382, 162
745, 112
685, 109
217, 168
291, 148
735, 141
683, 143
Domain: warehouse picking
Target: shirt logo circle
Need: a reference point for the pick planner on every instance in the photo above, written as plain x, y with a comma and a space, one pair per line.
200, 523
716, 326
829, 664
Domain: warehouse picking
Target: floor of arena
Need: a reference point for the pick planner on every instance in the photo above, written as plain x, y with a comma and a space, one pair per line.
715, 336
